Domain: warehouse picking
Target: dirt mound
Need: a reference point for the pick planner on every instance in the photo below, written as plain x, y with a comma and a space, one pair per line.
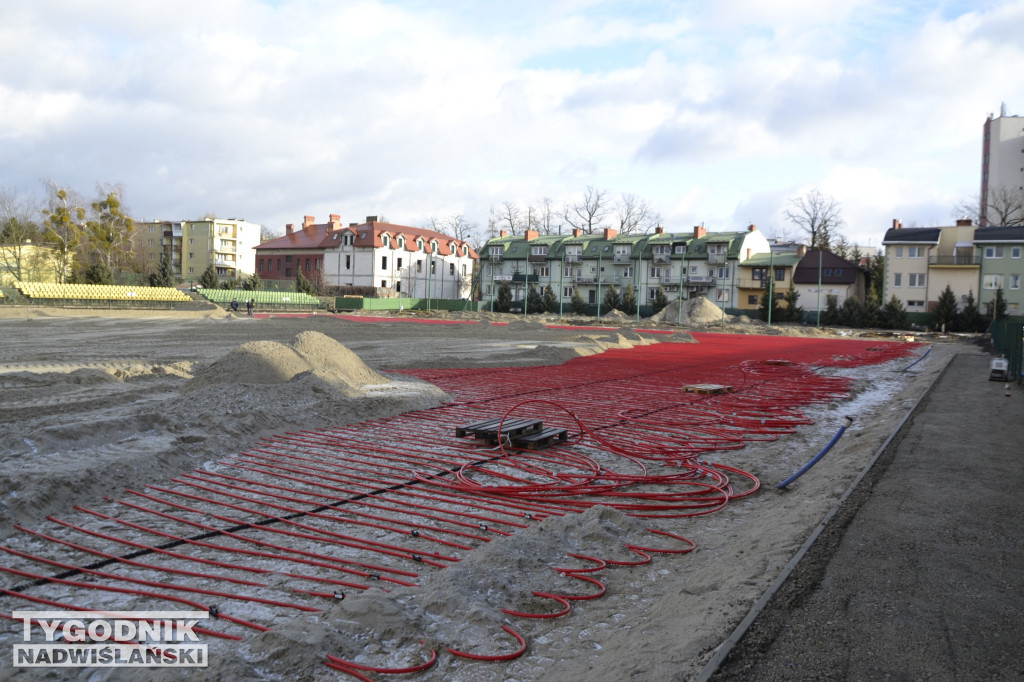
270, 362
616, 315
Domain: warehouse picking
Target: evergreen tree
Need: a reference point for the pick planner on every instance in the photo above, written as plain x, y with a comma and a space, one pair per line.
852, 314
611, 299
971, 319
577, 304
550, 300
872, 307
792, 312
503, 300
163, 277
660, 300
946, 315
831, 314
628, 302
303, 285
999, 305
534, 301
209, 280
97, 273
894, 315
251, 283
768, 303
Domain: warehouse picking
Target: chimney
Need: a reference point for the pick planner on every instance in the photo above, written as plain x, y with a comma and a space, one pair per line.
896, 224
748, 253
352, 224
659, 230
503, 233
371, 218
752, 227
289, 228
964, 222
577, 232
699, 231
610, 233
531, 234
801, 250
335, 221
307, 221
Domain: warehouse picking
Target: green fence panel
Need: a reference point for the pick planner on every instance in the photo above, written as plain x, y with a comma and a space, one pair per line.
1008, 338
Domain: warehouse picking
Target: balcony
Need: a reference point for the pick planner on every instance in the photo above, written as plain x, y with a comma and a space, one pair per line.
497, 257
958, 260
621, 258
662, 258
537, 258
700, 281
573, 258
716, 258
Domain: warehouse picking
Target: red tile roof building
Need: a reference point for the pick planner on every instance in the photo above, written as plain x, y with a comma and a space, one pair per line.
400, 260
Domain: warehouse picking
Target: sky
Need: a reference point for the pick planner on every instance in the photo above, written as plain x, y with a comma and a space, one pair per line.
716, 113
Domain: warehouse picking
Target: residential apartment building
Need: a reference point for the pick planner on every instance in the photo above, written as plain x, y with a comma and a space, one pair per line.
765, 271
396, 260
1001, 266
1002, 167
682, 265
193, 245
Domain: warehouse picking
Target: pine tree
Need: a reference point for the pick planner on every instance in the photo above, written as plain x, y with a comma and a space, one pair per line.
971, 319
999, 305
768, 303
163, 277
534, 301
660, 300
550, 300
577, 304
831, 314
252, 282
852, 313
611, 299
946, 315
894, 315
503, 300
209, 280
303, 285
627, 302
792, 312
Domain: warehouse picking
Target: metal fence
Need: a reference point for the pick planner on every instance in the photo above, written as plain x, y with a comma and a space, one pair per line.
1008, 338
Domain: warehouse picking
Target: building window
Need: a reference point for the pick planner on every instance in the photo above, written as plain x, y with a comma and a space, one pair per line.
652, 294
567, 292
827, 272
383, 262
723, 273
780, 274
451, 269
191, 255
723, 295
538, 250
543, 271
752, 299
191, 241
993, 252
838, 271
916, 279
915, 252
993, 282
419, 266
287, 259
287, 272
398, 263
463, 269
655, 272
433, 267
307, 265
897, 279
915, 305
1014, 252
348, 262
384, 284
898, 252
398, 285
191, 271
261, 265
1015, 281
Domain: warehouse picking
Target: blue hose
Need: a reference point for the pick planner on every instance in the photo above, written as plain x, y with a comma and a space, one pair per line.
847, 422
919, 359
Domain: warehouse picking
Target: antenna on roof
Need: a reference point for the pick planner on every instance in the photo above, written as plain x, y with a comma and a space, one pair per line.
1002, 109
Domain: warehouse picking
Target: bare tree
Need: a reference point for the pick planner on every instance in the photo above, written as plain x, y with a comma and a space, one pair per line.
19, 235
509, 217
111, 232
635, 215
588, 213
455, 226
818, 216
1005, 207
546, 217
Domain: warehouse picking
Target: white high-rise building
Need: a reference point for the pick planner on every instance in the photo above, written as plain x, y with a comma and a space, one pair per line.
1002, 169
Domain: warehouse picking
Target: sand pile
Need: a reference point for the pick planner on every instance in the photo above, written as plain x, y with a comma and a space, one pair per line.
616, 315
698, 311
270, 362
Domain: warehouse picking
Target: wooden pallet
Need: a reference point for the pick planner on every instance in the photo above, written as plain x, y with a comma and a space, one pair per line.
488, 429
707, 389
541, 439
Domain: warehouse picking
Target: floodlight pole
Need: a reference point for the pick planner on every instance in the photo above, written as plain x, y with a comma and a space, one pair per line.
561, 285
771, 282
599, 285
682, 277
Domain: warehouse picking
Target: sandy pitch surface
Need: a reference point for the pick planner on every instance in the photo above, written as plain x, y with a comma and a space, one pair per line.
93, 404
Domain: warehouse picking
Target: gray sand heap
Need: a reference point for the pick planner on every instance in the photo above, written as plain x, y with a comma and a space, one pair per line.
270, 362
696, 311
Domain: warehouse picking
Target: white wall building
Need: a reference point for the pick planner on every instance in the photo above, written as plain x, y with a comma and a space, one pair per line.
1002, 166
